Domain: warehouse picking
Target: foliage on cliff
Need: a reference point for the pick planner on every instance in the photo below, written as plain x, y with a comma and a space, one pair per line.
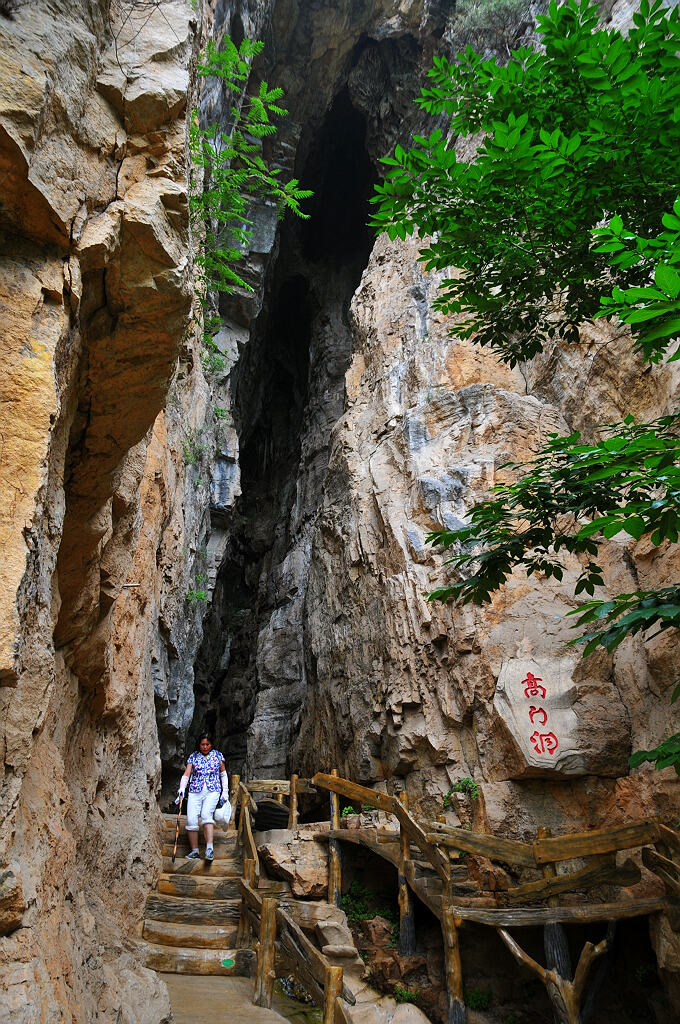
585, 131
233, 170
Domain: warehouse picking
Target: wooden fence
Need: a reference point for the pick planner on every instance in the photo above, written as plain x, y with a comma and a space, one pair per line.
438, 842
282, 946
278, 938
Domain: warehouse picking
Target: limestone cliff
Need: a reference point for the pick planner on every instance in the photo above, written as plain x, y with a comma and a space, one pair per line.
95, 292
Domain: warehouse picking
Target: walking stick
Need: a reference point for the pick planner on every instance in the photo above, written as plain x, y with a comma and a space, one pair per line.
179, 815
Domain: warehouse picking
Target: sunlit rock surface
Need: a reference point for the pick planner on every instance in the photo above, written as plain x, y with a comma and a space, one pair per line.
95, 291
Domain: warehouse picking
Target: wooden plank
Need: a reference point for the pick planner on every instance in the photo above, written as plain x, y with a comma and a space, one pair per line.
583, 879
355, 792
266, 975
305, 786
246, 799
509, 851
663, 868
603, 840
531, 917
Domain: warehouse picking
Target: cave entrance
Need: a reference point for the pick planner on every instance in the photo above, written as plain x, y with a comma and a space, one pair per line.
287, 393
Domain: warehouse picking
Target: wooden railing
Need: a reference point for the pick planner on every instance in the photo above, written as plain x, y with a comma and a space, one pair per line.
282, 945
278, 937
437, 842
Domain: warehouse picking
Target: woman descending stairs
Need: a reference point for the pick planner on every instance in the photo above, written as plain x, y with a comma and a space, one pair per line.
191, 918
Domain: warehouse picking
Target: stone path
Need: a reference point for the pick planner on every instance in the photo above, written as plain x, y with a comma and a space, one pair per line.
209, 1000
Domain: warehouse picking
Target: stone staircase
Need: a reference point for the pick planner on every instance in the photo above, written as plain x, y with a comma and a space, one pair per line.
191, 918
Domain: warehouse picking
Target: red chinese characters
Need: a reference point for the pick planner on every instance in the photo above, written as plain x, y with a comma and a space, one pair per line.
536, 713
542, 742
532, 687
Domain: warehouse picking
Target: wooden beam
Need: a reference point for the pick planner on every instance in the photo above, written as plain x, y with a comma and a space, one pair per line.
603, 840
269, 786
266, 975
583, 879
307, 951
529, 917
509, 851
362, 794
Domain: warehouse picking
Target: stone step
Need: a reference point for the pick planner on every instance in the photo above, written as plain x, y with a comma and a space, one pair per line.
223, 851
225, 866
219, 887
199, 886
170, 824
168, 933
188, 910
181, 960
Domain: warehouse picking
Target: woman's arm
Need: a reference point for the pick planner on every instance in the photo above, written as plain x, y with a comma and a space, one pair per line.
224, 780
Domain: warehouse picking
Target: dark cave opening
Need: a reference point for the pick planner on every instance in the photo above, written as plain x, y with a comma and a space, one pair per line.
342, 176
287, 392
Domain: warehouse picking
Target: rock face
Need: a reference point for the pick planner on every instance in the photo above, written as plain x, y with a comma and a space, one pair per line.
95, 292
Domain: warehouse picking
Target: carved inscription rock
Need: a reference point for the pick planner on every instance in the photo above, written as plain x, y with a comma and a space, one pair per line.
554, 721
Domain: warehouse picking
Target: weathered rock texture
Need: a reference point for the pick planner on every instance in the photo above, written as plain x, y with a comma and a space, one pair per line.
98, 541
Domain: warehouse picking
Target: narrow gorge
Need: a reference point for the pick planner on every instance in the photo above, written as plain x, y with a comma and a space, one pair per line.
231, 536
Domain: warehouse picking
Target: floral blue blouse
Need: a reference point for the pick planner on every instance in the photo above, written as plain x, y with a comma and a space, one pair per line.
206, 770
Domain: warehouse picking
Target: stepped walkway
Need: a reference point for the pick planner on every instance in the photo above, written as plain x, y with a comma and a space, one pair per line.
223, 920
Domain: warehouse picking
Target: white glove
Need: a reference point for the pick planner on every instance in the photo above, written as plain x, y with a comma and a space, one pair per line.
182, 788
225, 785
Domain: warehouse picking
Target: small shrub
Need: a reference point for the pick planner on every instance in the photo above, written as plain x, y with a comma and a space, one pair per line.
201, 577
213, 363
346, 811
477, 998
196, 596
368, 807
467, 786
404, 995
193, 448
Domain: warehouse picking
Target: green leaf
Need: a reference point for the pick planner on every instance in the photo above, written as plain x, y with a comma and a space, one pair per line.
667, 279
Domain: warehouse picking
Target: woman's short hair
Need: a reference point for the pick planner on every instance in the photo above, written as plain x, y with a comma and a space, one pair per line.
206, 736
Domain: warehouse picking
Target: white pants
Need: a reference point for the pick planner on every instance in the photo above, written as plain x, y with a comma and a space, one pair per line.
203, 803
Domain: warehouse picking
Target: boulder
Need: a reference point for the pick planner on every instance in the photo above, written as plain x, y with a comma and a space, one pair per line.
293, 856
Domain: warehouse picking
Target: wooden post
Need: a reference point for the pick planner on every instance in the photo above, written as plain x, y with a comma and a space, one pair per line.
331, 990
235, 780
266, 975
293, 803
334, 860
243, 931
407, 924
454, 970
555, 943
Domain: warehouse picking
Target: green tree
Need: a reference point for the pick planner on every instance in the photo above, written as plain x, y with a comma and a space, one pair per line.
573, 135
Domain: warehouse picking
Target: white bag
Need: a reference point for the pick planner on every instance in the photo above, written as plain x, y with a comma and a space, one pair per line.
223, 814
